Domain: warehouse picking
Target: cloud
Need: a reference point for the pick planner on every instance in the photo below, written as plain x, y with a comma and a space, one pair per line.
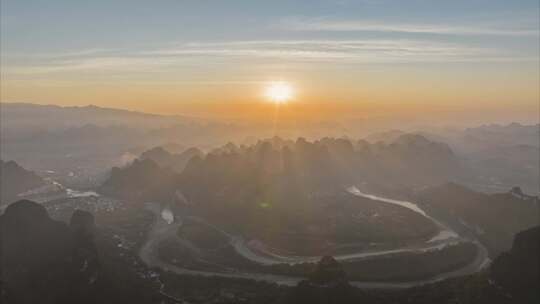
333, 50
89, 64
321, 24
260, 51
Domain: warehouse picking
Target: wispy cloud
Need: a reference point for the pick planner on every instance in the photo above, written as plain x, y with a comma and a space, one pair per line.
286, 49
253, 51
359, 51
125, 63
63, 54
323, 24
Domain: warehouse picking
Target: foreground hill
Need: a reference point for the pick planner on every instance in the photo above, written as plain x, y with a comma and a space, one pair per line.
51, 262
492, 218
15, 180
56, 261
518, 270
512, 278
62, 263
327, 284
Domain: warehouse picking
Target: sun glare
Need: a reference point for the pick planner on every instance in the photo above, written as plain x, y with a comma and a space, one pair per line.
279, 92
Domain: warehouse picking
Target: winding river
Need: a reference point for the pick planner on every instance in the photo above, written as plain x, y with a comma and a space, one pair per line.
165, 228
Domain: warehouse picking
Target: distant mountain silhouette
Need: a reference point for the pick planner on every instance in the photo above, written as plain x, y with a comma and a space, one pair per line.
51, 117
494, 156
89, 140
177, 162
495, 135
385, 137
142, 180
16, 180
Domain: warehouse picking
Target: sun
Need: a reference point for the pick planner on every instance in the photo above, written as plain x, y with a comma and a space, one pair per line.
279, 92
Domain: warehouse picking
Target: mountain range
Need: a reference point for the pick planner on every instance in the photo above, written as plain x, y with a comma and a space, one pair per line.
303, 166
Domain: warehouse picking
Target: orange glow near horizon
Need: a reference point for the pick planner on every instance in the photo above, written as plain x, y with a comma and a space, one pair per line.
330, 96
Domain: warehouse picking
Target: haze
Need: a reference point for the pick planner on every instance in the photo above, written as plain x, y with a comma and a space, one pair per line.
269, 152
181, 57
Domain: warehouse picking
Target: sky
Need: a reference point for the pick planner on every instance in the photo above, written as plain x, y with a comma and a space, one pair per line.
177, 56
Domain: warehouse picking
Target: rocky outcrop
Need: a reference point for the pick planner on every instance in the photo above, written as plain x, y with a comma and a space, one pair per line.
326, 285
328, 273
518, 270
84, 254
493, 218
518, 193
15, 180
43, 260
